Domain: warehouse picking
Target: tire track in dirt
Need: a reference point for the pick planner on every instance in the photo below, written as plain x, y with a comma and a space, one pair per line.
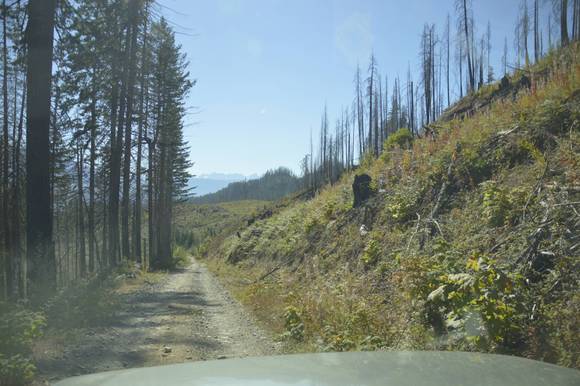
189, 316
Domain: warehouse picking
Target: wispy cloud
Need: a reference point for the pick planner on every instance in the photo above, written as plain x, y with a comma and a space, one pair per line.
354, 38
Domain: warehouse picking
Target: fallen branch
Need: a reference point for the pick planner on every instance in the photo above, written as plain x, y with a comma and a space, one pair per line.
441, 194
272, 271
438, 227
537, 189
268, 274
414, 233
442, 190
535, 238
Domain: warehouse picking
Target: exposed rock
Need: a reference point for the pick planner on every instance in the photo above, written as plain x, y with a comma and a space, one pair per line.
363, 230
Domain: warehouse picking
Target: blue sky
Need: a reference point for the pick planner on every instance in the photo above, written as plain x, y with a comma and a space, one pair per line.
265, 68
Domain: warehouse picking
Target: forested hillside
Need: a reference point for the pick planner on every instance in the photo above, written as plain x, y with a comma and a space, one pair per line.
468, 239
273, 185
111, 138
92, 155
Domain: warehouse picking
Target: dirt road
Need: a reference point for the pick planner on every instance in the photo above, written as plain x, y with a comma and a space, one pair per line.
188, 316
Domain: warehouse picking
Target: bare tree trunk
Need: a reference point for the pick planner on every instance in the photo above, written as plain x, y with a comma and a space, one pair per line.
151, 199
133, 20
104, 262
468, 49
16, 233
379, 131
40, 248
92, 159
81, 256
460, 70
5, 193
143, 116
427, 69
564, 23
576, 20
376, 119
359, 114
448, 48
412, 117
117, 116
536, 32
371, 91
54, 135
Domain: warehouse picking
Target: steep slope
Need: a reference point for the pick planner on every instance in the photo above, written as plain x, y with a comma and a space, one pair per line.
471, 241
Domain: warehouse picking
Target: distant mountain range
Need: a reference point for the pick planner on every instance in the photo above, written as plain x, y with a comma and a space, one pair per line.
210, 183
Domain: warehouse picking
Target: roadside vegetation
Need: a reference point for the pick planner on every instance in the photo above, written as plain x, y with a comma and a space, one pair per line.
470, 241
25, 333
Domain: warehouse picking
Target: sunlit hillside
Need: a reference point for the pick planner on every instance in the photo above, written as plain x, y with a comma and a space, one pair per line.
470, 240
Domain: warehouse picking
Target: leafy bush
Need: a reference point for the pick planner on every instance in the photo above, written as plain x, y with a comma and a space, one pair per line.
550, 118
474, 167
19, 327
371, 252
293, 324
482, 305
329, 209
180, 257
311, 223
402, 138
402, 204
502, 206
16, 370
336, 341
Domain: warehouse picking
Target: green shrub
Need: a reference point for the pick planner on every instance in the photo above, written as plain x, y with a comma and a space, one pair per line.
402, 204
293, 324
336, 341
329, 209
551, 118
16, 370
311, 223
473, 167
180, 257
482, 305
502, 206
495, 204
19, 327
402, 138
371, 252
367, 161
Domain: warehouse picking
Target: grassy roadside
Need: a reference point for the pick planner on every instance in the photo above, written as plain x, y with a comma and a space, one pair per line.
27, 336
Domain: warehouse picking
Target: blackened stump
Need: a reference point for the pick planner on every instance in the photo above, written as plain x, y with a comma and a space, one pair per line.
361, 189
